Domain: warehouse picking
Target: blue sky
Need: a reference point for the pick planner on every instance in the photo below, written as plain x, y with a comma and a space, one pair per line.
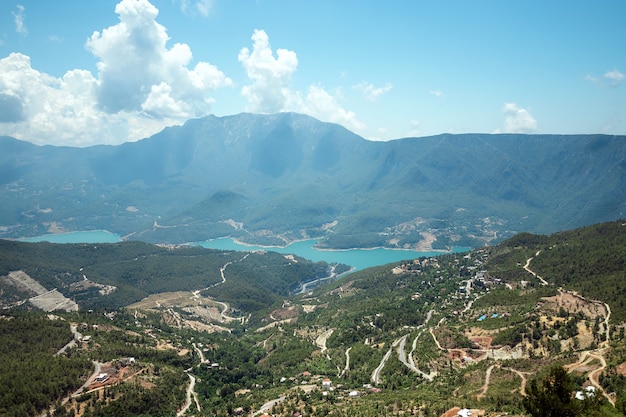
81, 73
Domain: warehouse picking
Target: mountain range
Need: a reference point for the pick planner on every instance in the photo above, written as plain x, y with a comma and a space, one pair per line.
273, 179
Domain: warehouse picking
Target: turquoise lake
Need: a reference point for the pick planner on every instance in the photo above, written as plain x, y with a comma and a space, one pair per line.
357, 258
96, 236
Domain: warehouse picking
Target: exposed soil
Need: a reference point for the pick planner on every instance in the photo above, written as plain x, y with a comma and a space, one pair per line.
573, 303
284, 313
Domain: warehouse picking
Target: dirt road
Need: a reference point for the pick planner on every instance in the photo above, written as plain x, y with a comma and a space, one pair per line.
485, 386
320, 342
527, 268
522, 388
347, 367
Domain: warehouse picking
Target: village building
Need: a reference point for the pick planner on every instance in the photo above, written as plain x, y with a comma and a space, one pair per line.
102, 377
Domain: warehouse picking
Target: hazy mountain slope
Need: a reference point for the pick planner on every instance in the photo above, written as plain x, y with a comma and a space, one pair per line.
267, 178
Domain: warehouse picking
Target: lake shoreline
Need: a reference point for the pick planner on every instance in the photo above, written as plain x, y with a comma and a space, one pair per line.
357, 258
323, 249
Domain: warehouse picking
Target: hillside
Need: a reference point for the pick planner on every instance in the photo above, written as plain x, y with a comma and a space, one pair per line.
477, 330
272, 179
114, 275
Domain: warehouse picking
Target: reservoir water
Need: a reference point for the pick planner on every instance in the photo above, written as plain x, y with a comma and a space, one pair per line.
96, 236
357, 258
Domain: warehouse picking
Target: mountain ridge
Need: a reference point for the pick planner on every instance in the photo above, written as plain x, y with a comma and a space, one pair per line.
296, 175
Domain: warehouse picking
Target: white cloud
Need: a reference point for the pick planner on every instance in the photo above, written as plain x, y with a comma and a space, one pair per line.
160, 103
614, 76
415, 129
269, 91
203, 7
518, 120
134, 58
62, 111
55, 38
437, 93
591, 78
610, 78
372, 92
141, 87
19, 17
322, 105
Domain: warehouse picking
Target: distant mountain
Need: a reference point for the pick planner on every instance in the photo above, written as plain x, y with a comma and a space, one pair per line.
276, 178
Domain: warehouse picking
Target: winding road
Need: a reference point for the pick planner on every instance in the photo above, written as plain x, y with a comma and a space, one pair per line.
486, 384
522, 387
379, 368
347, 367
76, 339
268, 406
306, 285
320, 341
407, 361
191, 392
586, 357
527, 268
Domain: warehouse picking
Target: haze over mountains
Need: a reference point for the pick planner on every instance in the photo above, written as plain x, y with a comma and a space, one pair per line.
275, 178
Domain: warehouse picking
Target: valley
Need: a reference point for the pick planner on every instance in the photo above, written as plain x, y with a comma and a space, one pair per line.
274, 179
426, 336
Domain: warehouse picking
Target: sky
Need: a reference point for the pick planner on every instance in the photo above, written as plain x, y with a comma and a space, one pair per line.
81, 73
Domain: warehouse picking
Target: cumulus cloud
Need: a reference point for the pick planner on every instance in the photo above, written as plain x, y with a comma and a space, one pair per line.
372, 92
518, 120
60, 110
270, 75
270, 90
19, 17
11, 109
135, 60
319, 103
141, 87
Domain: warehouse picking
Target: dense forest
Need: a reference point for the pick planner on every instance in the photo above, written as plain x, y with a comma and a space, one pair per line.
138, 269
32, 376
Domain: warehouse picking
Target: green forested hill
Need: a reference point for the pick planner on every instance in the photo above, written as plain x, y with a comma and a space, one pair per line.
591, 260
31, 376
139, 269
471, 330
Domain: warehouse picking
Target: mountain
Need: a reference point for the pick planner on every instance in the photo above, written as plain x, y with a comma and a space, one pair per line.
275, 178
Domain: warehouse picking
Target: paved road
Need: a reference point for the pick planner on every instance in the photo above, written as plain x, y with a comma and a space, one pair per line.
400, 341
306, 285
77, 338
268, 406
347, 367
97, 370
376, 373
